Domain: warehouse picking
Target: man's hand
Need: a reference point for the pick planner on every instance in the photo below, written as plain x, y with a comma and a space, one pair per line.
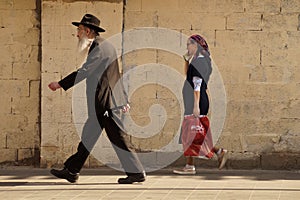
54, 86
125, 108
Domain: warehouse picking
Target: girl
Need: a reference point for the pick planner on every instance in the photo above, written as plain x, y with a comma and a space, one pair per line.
198, 69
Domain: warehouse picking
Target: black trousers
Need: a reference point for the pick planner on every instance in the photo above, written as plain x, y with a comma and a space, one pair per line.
91, 132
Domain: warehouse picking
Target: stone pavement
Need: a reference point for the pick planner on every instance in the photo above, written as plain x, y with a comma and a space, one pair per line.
34, 183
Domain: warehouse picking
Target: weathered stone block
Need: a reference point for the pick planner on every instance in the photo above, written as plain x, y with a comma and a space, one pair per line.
15, 87
208, 22
109, 11
291, 88
8, 4
54, 63
48, 13
28, 106
171, 20
136, 19
49, 35
274, 57
244, 161
242, 21
194, 5
24, 139
293, 59
5, 51
171, 60
69, 136
23, 53
212, 6
134, 5
13, 123
260, 142
254, 126
25, 154
277, 161
292, 109
288, 142
266, 6
228, 6
270, 74
293, 38
246, 57
51, 137
233, 39
24, 5
158, 5
5, 104
67, 40
56, 111
274, 22
229, 141
26, 71
12, 19
29, 36
6, 37
3, 140
50, 157
290, 6
144, 56
262, 91
8, 155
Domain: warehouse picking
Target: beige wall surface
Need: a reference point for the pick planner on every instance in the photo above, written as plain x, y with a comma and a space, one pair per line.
19, 82
253, 43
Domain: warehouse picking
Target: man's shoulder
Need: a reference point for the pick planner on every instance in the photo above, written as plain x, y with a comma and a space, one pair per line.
101, 41
104, 48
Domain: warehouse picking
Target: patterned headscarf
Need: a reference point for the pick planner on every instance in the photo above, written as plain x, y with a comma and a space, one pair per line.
201, 41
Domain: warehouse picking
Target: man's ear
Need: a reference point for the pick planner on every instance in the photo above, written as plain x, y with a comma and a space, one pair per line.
88, 31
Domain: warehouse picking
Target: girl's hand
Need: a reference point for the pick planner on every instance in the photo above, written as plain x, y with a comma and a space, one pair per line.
187, 57
196, 111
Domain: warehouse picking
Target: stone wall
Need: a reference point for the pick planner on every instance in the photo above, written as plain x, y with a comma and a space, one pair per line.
254, 45
19, 82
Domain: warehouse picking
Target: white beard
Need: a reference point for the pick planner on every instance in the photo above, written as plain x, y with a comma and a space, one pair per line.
83, 45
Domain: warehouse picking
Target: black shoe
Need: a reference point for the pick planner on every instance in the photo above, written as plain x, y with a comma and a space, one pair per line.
140, 177
65, 174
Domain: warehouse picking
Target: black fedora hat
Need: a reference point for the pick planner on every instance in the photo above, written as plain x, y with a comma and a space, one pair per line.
90, 21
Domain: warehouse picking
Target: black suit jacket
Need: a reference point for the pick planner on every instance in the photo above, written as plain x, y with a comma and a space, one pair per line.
104, 87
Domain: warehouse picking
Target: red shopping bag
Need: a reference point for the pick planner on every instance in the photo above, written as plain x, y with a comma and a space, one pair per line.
196, 137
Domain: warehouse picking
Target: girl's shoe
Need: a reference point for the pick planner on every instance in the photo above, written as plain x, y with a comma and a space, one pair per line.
222, 158
188, 169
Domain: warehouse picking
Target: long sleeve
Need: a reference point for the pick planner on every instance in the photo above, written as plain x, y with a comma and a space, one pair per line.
68, 81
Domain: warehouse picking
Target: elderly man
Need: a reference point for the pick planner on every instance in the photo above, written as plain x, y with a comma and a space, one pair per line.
105, 96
